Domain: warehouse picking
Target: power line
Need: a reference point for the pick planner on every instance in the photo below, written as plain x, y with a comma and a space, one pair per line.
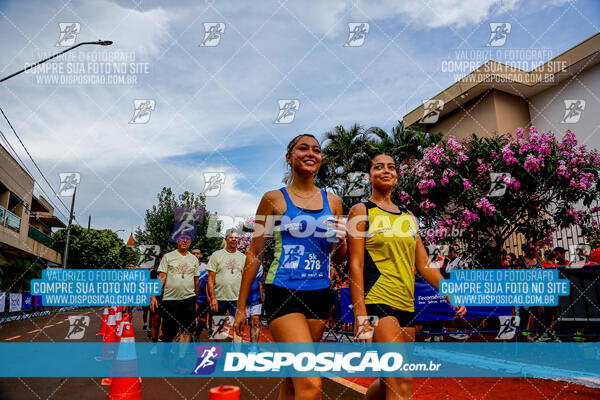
22, 164
34, 163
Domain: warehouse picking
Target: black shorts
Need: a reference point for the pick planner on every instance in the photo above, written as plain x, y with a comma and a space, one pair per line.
178, 315
280, 301
158, 309
405, 318
203, 308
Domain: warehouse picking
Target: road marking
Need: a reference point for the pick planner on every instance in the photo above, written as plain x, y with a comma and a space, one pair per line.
354, 386
35, 330
14, 337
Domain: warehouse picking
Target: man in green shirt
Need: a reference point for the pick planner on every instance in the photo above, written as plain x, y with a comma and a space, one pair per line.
178, 272
225, 268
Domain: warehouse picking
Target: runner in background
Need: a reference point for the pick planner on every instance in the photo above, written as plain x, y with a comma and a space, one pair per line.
178, 272
254, 305
297, 296
203, 302
129, 309
224, 277
532, 260
155, 318
384, 249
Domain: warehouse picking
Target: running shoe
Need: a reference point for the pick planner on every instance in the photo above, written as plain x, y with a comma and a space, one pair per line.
458, 336
544, 338
145, 327
577, 336
532, 338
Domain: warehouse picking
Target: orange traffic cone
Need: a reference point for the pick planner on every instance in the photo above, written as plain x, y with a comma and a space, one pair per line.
125, 386
110, 338
224, 393
118, 315
104, 320
121, 323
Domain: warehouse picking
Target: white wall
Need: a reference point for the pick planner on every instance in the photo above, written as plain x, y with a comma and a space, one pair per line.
547, 109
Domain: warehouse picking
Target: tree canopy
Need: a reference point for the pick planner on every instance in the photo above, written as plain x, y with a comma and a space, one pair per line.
160, 221
93, 249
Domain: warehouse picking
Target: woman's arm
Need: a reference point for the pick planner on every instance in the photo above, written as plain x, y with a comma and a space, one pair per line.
356, 252
254, 255
338, 249
430, 272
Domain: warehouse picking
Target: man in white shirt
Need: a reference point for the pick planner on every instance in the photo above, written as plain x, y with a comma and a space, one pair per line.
178, 272
225, 277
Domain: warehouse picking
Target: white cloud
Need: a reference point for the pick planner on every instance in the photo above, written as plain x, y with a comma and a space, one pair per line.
330, 18
142, 31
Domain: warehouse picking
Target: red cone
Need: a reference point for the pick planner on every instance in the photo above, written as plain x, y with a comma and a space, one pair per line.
224, 393
104, 320
124, 385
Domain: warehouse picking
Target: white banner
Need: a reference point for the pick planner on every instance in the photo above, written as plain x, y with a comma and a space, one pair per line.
15, 302
2, 301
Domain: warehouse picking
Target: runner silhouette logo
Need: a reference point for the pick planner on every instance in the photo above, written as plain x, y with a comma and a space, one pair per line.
207, 359
573, 111
499, 33
77, 325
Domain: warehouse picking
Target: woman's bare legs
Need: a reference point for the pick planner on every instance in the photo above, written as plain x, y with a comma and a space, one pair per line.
391, 388
295, 327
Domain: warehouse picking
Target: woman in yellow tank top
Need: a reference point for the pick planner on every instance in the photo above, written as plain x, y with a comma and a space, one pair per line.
384, 251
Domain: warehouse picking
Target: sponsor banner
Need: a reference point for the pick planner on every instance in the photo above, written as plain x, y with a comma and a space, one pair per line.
26, 301
431, 306
14, 302
507, 359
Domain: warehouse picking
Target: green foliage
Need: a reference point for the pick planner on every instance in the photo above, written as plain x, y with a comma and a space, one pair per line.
17, 275
348, 151
95, 249
159, 222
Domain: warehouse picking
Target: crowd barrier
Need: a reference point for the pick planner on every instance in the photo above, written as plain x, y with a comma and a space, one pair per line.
581, 306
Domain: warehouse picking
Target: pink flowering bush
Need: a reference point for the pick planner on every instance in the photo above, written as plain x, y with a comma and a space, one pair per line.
246, 230
541, 184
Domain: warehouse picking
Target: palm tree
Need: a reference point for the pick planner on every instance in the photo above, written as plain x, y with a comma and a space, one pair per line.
347, 151
403, 145
344, 151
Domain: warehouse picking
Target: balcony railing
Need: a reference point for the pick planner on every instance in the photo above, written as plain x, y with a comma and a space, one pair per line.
12, 221
2, 215
39, 236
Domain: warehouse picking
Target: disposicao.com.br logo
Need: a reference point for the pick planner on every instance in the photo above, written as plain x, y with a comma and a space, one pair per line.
351, 362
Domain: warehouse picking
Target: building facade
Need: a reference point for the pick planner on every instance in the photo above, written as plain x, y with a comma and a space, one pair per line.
559, 95
26, 221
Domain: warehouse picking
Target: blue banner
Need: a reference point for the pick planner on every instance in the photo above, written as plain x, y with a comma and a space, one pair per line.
431, 306
509, 359
26, 301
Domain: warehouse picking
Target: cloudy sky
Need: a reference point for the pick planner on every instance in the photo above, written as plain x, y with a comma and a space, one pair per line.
215, 104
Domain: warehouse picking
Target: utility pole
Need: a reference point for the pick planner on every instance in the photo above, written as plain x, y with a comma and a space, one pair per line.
89, 222
66, 252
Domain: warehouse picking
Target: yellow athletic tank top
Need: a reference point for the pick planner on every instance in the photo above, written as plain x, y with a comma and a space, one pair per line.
389, 261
